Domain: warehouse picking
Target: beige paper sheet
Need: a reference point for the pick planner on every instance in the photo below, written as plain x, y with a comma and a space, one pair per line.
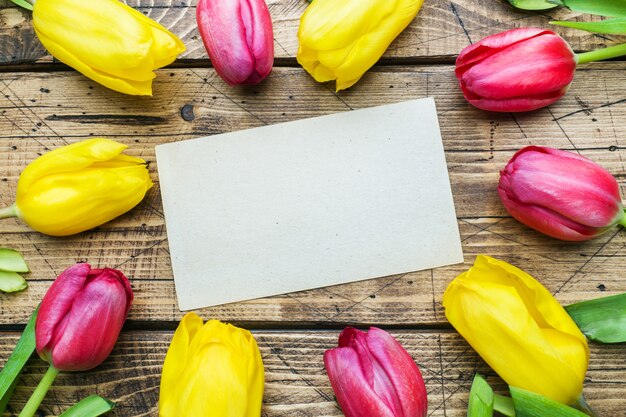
307, 204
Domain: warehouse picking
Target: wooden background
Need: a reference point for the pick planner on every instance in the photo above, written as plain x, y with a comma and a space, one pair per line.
44, 104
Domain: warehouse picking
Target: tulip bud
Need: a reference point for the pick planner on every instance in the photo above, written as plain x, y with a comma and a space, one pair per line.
517, 70
78, 187
211, 370
340, 40
519, 329
238, 36
373, 375
106, 41
561, 194
81, 317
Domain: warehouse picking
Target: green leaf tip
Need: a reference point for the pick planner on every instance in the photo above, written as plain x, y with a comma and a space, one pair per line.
529, 404
12, 261
12, 282
91, 406
22, 3
480, 399
532, 4
602, 319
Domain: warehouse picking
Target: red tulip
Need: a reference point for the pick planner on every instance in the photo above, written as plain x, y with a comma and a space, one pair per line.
374, 376
238, 36
81, 316
517, 70
561, 194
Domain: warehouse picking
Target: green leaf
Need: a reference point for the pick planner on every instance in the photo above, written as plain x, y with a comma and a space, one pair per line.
480, 399
12, 282
13, 367
91, 406
503, 405
602, 319
24, 4
613, 8
532, 4
12, 260
611, 26
529, 404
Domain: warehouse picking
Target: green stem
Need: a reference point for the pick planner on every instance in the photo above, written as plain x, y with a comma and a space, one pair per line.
622, 221
44, 385
582, 405
6, 212
600, 54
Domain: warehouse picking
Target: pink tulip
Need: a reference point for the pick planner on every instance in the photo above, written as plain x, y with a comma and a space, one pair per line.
81, 316
561, 194
238, 36
374, 376
517, 70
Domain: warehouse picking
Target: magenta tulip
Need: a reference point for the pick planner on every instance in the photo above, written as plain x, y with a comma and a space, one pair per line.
372, 375
81, 316
561, 194
517, 70
238, 36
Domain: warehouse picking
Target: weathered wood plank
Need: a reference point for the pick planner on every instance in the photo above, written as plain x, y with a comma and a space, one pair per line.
573, 272
441, 29
296, 382
44, 110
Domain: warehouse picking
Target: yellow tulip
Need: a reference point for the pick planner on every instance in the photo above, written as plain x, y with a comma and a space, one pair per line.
519, 329
340, 40
78, 187
107, 41
212, 370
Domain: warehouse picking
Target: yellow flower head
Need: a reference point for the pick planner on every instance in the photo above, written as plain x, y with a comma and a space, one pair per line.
340, 40
80, 186
519, 329
212, 370
106, 41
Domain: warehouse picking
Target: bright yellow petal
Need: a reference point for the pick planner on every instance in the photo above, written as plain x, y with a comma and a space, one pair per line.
67, 158
176, 362
105, 35
140, 88
490, 306
67, 203
166, 46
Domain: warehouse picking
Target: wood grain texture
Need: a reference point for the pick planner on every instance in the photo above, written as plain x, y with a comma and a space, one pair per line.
441, 29
296, 382
40, 111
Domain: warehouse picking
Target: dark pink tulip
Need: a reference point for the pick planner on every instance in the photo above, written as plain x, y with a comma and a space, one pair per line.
81, 316
561, 194
238, 36
517, 70
374, 376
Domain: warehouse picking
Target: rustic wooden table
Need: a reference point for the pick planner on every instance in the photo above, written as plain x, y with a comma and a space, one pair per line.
44, 104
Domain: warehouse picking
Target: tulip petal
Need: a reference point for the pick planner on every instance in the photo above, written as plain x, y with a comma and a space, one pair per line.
575, 187
176, 361
222, 375
493, 44
85, 336
142, 88
57, 303
343, 42
68, 158
355, 396
518, 328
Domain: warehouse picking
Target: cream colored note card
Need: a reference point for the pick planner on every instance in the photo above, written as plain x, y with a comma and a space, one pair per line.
306, 204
